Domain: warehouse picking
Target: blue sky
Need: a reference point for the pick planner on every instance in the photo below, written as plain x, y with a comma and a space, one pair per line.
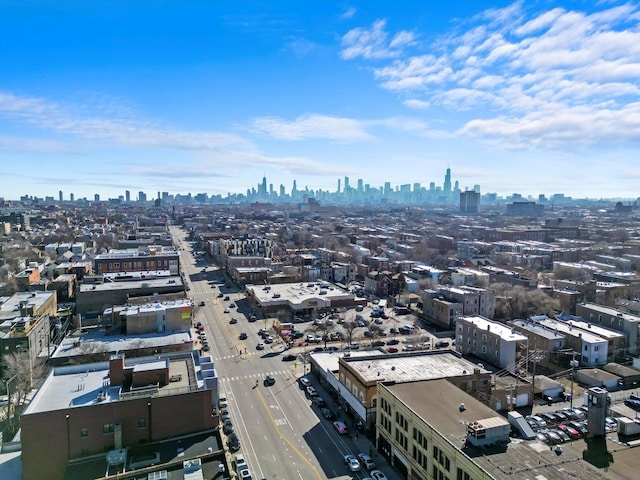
209, 96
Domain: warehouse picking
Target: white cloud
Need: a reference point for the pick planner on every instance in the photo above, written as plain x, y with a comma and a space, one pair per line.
539, 78
312, 127
373, 43
348, 13
65, 120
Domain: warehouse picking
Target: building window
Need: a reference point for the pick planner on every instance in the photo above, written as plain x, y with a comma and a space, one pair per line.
84, 432
107, 428
142, 422
484, 337
484, 349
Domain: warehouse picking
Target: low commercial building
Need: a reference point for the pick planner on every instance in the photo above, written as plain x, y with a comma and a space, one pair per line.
355, 376
154, 257
156, 317
94, 298
102, 408
300, 298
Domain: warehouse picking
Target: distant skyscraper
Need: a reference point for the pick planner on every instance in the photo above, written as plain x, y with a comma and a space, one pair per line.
447, 181
469, 201
142, 197
71, 197
338, 185
127, 196
387, 188
346, 184
476, 188
294, 189
262, 188
360, 187
60, 195
96, 197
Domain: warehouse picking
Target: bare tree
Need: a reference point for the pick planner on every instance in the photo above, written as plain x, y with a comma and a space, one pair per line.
20, 375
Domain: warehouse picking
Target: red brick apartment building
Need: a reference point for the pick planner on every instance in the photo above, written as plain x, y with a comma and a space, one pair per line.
91, 409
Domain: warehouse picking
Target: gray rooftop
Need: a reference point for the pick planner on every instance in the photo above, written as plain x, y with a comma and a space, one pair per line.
411, 367
82, 344
87, 384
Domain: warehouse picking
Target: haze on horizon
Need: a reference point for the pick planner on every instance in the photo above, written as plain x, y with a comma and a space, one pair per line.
527, 97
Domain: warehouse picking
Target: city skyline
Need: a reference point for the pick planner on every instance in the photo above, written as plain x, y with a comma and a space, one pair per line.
518, 97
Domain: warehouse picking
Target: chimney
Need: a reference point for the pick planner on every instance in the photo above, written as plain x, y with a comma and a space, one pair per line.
116, 369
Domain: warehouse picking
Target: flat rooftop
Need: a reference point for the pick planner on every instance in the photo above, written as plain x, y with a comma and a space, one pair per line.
86, 384
501, 329
298, 293
175, 280
96, 341
10, 306
437, 402
411, 367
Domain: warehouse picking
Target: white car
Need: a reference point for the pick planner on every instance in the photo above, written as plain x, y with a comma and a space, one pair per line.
377, 475
366, 461
260, 346
351, 462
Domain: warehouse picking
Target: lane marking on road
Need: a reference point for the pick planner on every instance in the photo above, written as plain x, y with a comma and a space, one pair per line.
287, 441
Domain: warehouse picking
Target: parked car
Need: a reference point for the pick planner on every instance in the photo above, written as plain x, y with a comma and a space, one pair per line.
569, 430
233, 442
442, 343
311, 391
393, 341
351, 462
319, 401
224, 413
222, 402
563, 436
377, 475
328, 413
392, 349
227, 426
632, 403
377, 343
305, 382
340, 427
366, 461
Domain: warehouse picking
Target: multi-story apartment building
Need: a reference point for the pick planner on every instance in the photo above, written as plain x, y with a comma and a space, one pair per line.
545, 344
472, 301
589, 342
90, 409
614, 319
490, 341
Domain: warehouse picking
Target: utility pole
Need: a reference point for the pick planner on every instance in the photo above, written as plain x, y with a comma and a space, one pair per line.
574, 364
